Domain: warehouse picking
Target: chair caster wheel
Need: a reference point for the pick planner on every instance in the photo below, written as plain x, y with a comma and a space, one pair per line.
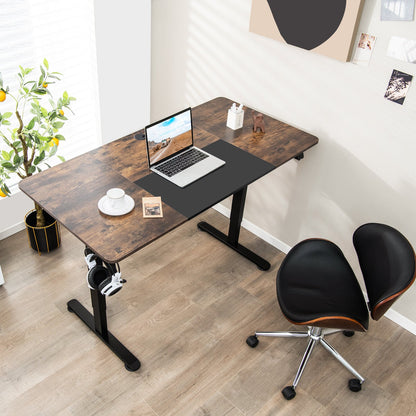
252, 341
348, 333
289, 392
354, 385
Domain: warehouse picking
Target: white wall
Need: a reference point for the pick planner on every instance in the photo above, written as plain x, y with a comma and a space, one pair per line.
123, 60
362, 170
13, 211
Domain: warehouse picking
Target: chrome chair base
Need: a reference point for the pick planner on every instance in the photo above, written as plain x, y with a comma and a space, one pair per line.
316, 335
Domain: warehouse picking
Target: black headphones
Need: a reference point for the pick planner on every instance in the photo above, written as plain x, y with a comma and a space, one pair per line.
103, 277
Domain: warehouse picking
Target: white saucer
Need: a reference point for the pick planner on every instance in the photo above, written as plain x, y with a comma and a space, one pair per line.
105, 208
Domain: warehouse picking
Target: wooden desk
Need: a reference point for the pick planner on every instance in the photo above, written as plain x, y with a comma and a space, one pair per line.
71, 190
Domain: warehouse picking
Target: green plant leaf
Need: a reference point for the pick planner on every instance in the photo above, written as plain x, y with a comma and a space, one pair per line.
58, 124
34, 138
32, 169
46, 63
39, 158
18, 160
53, 151
4, 188
40, 91
31, 124
7, 165
5, 155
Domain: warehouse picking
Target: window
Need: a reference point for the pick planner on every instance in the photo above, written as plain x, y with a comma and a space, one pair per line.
63, 32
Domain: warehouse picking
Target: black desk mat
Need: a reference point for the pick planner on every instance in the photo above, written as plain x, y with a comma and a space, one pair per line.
241, 168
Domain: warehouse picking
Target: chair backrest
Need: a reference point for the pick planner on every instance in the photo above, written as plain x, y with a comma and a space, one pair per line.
387, 261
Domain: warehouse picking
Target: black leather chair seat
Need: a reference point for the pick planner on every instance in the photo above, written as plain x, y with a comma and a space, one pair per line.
316, 286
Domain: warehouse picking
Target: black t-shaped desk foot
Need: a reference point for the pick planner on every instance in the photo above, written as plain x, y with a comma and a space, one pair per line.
231, 240
250, 255
98, 324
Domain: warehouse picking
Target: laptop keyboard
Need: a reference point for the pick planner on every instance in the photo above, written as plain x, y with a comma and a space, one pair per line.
181, 162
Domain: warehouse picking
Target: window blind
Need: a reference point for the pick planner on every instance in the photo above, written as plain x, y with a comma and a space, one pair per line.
63, 32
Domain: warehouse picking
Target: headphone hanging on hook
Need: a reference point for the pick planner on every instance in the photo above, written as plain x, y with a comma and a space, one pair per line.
103, 277
109, 288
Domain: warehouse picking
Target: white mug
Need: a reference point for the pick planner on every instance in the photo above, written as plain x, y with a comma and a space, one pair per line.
116, 198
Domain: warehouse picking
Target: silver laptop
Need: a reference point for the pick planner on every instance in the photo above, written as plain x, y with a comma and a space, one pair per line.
171, 152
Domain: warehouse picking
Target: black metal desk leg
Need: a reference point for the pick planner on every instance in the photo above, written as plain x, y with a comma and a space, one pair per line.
231, 240
97, 322
99, 311
236, 216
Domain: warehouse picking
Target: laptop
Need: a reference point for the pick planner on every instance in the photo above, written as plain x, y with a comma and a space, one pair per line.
171, 152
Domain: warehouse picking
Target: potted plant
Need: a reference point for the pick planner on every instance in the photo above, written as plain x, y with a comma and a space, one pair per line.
30, 138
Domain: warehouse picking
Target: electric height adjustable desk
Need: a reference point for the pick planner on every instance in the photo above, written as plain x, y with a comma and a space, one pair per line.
70, 193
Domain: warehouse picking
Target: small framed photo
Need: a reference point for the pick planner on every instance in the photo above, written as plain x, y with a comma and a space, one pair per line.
398, 86
152, 207
364, 49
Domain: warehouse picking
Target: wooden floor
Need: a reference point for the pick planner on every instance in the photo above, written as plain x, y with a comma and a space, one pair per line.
187, 307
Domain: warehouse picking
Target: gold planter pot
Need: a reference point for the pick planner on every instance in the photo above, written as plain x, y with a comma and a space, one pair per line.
42, 239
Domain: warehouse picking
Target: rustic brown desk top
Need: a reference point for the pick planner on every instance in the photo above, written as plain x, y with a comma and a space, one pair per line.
71, 190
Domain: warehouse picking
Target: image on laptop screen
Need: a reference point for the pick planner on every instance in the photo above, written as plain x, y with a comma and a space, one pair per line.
169, 136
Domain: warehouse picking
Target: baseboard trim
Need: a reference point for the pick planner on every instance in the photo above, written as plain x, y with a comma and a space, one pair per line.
12, 230
259, 232
401, 320
391, 314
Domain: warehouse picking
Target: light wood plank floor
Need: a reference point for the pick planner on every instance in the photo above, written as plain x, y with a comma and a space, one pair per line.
186, 310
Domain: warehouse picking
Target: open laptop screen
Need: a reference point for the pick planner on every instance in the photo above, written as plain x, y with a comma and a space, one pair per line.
169, 136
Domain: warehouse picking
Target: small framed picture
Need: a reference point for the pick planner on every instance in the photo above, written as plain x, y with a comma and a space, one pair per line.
364, 49
398, 86
152, 207
397, 9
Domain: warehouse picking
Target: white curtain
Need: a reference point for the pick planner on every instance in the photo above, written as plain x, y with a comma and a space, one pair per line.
63, 32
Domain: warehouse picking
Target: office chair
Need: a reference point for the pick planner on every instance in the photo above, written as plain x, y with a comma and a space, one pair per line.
316, 287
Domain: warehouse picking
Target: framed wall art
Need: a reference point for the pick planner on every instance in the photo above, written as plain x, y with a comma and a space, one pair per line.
327, 27
398, 86
397, 9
